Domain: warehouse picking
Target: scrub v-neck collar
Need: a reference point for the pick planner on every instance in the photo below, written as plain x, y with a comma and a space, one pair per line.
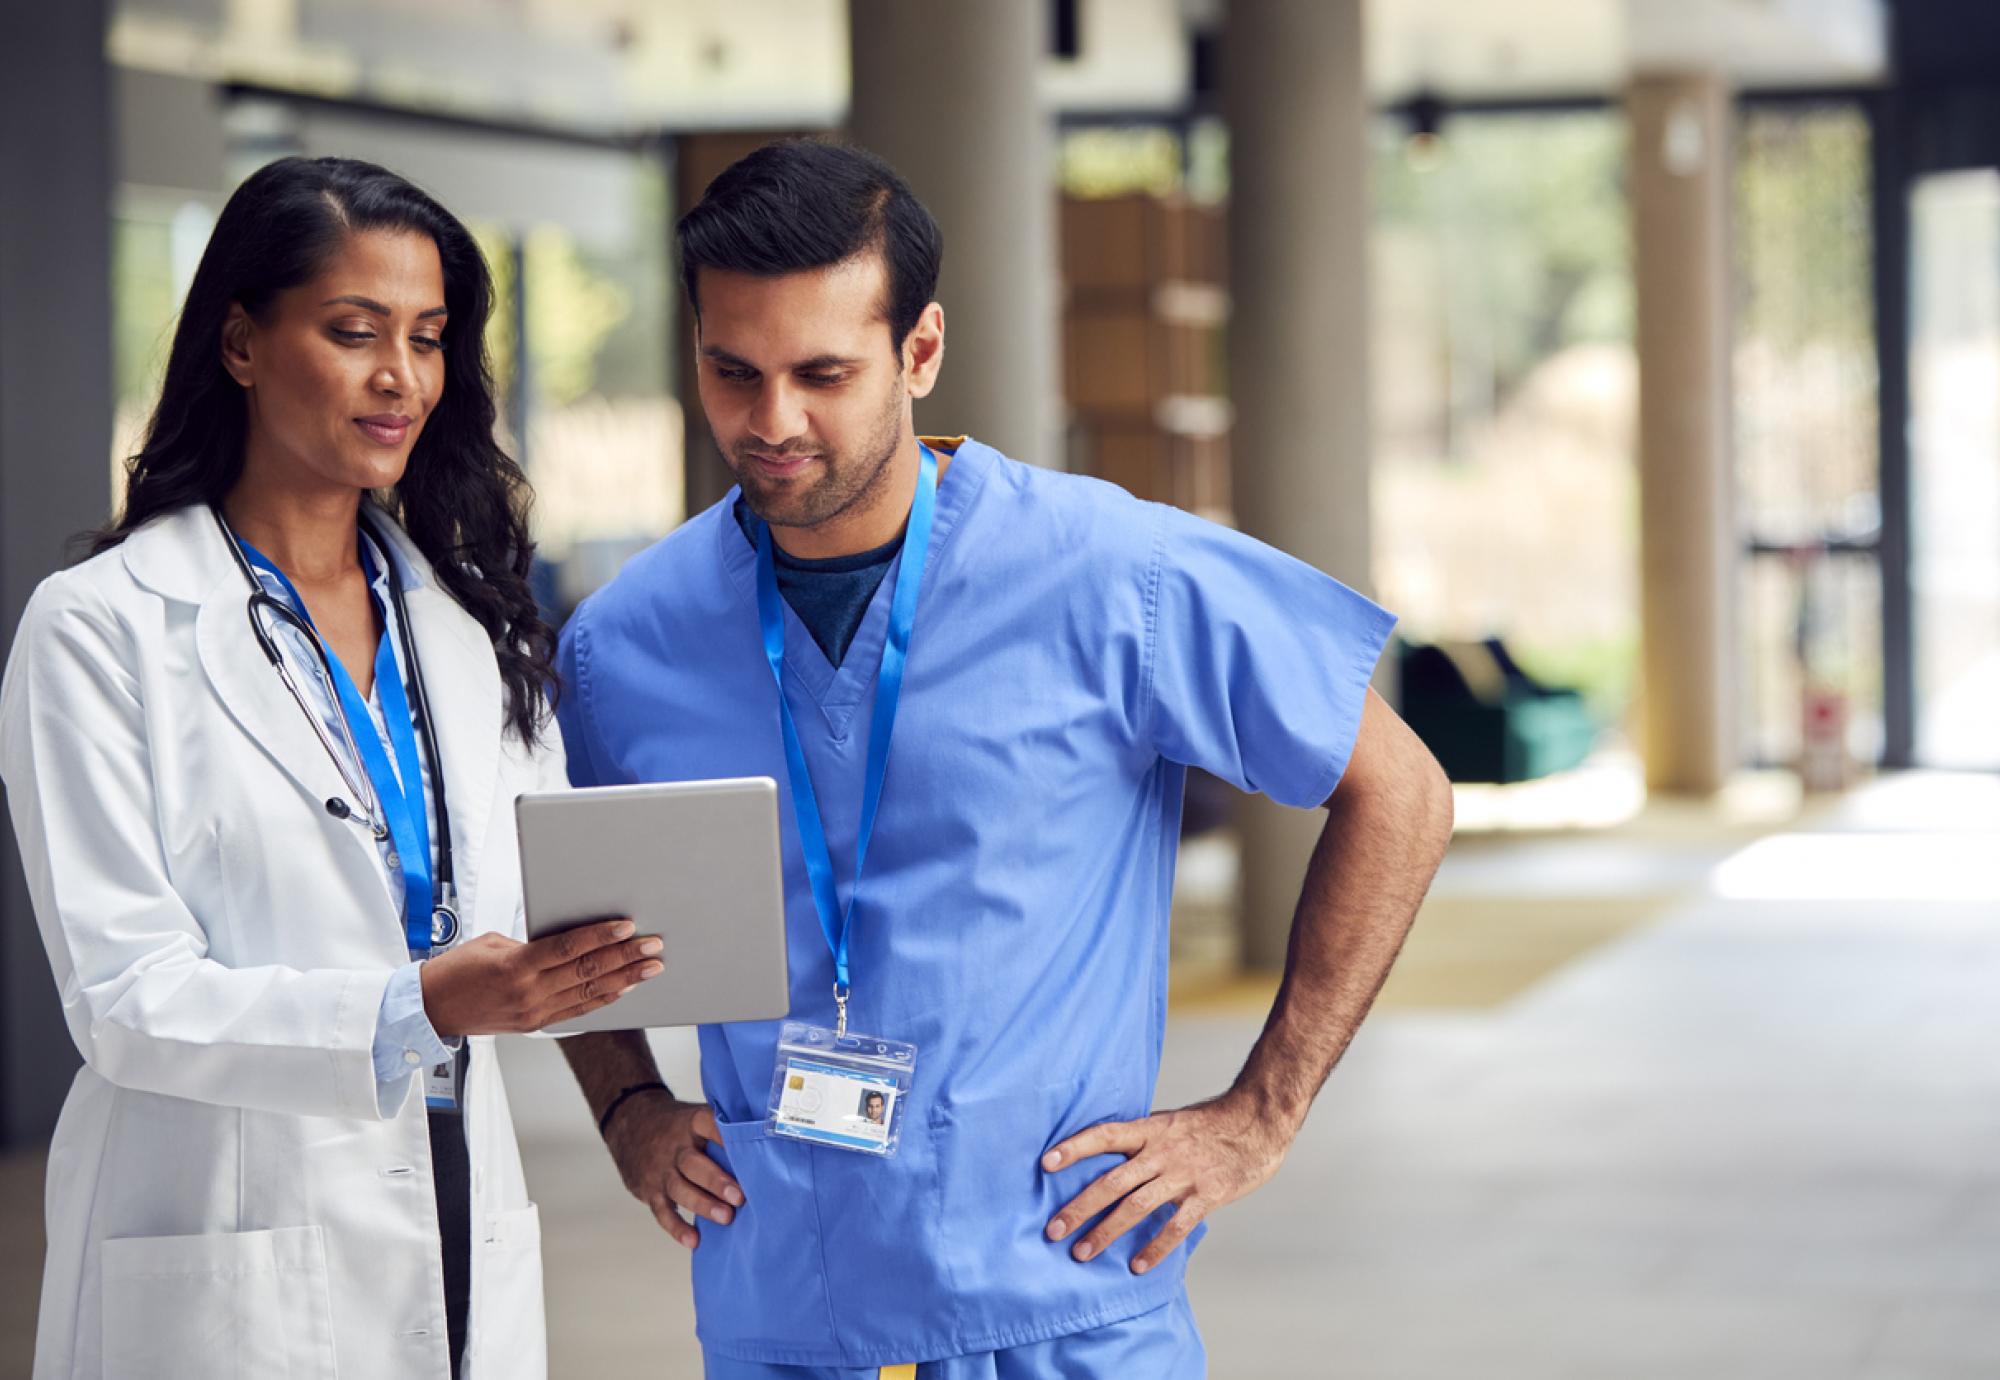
840, 690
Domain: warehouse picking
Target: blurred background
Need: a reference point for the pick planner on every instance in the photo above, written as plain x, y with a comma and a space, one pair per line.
1643, 355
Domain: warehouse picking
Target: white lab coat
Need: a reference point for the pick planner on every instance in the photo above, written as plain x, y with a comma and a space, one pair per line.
225, 1199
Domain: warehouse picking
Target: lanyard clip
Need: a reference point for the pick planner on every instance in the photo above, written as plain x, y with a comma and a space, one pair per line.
840, 1010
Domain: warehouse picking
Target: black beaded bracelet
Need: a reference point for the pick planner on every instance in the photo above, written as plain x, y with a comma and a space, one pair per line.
619, 1101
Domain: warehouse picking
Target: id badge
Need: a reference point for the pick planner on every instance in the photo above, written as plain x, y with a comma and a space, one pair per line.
844, 1091
443, 1082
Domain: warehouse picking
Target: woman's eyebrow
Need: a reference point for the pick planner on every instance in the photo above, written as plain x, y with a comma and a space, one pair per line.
370, 304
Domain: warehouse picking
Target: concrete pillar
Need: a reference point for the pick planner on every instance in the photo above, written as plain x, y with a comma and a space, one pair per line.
1298, 338
1680, 169
949, 93
55, 430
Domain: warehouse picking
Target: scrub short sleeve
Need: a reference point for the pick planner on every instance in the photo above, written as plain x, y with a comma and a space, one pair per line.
580, 740
1259, 664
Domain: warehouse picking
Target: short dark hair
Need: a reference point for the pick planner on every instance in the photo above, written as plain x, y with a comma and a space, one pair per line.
801, 204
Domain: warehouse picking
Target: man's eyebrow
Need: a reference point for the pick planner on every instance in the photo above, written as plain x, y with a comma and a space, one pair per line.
370, 304
828, 361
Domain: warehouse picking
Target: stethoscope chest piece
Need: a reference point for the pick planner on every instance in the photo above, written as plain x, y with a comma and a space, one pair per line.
444, 927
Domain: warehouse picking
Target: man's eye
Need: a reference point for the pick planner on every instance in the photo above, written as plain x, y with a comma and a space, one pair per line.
733, 375
823, 380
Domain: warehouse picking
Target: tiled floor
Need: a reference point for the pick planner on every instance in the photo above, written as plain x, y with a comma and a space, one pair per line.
1753, 1133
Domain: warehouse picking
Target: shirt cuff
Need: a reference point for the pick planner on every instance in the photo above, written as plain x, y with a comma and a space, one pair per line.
405, 1043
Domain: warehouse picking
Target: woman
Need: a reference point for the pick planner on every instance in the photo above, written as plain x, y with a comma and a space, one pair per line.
261, 751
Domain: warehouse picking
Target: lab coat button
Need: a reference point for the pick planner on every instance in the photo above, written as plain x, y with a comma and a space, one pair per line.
412, 1058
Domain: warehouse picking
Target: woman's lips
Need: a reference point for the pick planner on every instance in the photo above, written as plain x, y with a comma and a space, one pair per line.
384, 431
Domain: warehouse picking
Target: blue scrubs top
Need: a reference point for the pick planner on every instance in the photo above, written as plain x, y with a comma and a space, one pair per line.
1074, 651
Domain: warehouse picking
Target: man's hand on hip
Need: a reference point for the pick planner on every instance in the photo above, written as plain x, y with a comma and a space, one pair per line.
659, 1146
1199, 1157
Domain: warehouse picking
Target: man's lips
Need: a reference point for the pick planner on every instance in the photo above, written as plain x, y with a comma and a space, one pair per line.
780, 466
385, 429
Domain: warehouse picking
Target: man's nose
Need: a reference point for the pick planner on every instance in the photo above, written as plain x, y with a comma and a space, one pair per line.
777, 416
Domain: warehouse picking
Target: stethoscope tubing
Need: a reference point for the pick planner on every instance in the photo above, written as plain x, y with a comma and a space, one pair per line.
445, 922
364, 789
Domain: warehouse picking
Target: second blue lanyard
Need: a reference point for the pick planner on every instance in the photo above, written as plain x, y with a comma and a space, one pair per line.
834, 921
399, 792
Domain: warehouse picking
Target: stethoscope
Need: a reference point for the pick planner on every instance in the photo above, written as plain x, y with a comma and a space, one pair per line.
444, 914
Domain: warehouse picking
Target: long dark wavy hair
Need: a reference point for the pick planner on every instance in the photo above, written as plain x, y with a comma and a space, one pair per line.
462, 499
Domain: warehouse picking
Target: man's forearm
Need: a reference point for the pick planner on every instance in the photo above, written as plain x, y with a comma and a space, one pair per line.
608, 1062
1369, 872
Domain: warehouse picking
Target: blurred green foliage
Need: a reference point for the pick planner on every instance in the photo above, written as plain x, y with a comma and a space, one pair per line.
1529, 216
1804, 228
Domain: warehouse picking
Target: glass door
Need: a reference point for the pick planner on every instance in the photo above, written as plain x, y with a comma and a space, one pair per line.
1954, 440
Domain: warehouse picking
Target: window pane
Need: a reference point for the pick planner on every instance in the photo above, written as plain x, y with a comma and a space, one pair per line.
1955, 466
1506, 493
1806, 442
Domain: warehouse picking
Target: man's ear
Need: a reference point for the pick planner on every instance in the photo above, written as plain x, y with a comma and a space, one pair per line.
923, 351
236, 345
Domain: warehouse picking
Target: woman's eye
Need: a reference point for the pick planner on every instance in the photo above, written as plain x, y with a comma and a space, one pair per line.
353, 337
427, 342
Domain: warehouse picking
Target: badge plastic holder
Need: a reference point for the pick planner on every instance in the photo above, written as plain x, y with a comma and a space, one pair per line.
844, 1091
444, 1084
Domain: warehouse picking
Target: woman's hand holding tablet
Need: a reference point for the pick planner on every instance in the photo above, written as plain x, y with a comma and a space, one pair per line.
490, 985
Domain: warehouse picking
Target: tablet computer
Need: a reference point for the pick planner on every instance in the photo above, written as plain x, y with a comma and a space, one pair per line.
693, 862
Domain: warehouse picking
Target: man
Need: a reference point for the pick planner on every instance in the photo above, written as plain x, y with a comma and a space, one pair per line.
1047, 656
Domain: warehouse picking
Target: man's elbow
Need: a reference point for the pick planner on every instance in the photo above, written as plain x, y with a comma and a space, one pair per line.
1410, 795
1393, 775
1439, 808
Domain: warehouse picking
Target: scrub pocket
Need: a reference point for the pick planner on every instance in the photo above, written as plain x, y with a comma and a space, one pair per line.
998, 1201
762, 1278
507, 1308
250, 1305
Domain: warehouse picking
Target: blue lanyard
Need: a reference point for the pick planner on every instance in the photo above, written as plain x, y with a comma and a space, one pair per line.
402, 802
835, 923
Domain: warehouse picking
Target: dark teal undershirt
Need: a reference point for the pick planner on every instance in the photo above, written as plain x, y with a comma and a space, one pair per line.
829, 596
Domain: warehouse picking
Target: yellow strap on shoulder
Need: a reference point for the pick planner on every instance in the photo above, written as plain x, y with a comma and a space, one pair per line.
908, 1372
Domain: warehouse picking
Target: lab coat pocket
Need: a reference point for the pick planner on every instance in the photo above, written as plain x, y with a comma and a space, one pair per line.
250, 1305
510, 1335
762, 1277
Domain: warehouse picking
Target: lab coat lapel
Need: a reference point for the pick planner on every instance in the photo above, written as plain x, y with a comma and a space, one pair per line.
183, 555
256, 698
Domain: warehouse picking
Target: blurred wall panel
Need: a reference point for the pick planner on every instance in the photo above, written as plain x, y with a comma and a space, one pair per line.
170, 132
55, 428
518, 182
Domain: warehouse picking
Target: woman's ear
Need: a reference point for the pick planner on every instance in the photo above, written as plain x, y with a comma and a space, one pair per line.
236, 345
